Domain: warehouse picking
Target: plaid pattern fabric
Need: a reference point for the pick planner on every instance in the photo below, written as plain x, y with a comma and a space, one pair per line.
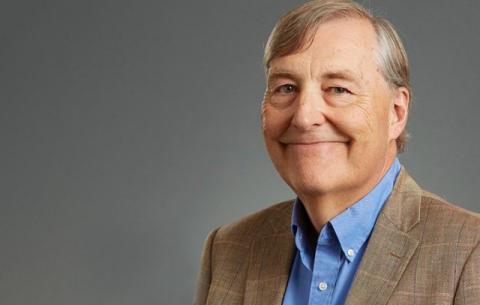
422, 250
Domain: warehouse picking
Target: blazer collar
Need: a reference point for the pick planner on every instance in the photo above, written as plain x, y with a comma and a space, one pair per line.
403, 207
391, 246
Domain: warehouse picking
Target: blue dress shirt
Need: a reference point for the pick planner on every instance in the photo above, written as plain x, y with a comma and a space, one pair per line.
325, 264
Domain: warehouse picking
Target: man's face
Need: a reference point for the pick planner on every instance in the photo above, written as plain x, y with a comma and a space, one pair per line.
329, 117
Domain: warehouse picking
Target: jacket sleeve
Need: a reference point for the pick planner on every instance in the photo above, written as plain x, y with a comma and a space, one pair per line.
205, 275
468, 289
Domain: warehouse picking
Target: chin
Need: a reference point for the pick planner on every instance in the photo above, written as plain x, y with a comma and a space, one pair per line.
316, 183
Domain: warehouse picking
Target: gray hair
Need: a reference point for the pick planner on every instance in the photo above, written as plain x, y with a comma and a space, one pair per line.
295, 31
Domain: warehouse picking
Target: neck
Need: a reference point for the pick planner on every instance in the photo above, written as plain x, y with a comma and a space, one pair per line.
322, 208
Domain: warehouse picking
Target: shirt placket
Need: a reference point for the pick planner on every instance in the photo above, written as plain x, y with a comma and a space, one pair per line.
326, 268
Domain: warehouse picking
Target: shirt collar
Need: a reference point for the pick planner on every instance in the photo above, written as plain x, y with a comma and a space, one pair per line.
352, 227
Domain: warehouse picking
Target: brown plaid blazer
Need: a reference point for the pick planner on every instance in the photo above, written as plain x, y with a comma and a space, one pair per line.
422, 250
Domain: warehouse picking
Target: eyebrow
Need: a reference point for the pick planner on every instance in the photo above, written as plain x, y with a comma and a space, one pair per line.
276, 74
343, 74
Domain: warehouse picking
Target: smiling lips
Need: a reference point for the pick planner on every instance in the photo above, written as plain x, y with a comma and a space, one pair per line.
314, 145
312, 141
316, 142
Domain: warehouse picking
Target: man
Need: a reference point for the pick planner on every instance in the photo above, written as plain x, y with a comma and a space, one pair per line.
361, 231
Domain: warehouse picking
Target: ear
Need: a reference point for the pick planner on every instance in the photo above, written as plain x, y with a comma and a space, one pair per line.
399, 112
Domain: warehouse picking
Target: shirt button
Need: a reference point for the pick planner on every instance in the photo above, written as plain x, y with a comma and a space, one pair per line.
322, 286
350, 252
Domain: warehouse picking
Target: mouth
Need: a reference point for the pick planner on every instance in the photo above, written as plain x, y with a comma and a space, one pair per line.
315, 143
314, 146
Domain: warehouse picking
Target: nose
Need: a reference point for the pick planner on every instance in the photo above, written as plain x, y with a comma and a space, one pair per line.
310, 110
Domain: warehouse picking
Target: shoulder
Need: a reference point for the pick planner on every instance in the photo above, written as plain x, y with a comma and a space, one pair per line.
428, 217
272, 220
449, 222
432, 200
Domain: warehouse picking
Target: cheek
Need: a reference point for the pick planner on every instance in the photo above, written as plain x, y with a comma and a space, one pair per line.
361, 121
274, 122
355, 121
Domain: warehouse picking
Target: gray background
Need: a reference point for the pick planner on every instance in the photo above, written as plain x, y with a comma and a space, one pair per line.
129, 129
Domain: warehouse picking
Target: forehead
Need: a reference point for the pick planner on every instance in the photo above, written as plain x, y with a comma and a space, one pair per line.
346, 44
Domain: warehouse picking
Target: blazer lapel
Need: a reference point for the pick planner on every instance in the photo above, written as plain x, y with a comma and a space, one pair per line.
270, 261
391, 247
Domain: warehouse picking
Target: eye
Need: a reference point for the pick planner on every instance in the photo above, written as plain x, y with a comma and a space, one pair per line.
285, 89
338, 90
